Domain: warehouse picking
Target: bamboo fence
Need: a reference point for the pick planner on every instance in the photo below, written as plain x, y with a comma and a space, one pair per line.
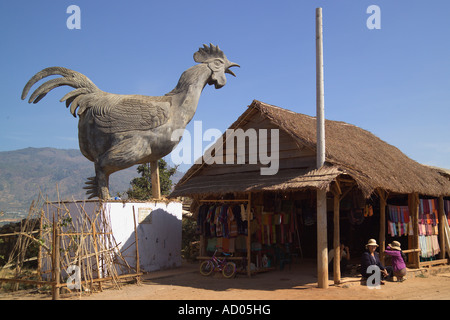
78, 241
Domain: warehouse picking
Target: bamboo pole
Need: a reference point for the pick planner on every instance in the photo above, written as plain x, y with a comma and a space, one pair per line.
18, 233
64, 284
56, 262
113, 278
94, 238
138, 266
39, 257
19, 253
26, 281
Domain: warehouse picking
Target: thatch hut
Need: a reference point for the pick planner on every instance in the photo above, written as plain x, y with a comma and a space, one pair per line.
360, 170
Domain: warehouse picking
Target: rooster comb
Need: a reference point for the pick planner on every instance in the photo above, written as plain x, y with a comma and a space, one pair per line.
206, 53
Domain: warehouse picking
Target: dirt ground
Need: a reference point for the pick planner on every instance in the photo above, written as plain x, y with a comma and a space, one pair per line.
298, 282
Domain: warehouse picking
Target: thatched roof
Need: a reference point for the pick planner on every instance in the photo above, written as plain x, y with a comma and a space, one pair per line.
442, 171
290, 179
350, 150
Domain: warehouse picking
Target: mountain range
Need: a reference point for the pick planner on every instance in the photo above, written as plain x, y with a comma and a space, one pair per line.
52, 172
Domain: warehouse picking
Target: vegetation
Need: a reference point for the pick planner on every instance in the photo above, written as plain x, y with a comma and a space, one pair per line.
189, 239
8, 243
141, 187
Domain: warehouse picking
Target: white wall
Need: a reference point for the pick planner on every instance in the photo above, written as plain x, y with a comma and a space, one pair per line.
158, 229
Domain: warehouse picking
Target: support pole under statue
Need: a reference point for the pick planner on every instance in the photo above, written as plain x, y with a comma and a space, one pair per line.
156, 188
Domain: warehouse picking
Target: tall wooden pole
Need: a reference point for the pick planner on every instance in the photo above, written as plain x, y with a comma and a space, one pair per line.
322, 245
320, 105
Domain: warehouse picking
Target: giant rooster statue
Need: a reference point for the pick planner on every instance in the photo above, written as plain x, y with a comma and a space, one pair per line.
118, 131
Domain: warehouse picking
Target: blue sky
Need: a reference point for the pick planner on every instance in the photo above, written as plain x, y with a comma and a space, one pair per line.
394, 82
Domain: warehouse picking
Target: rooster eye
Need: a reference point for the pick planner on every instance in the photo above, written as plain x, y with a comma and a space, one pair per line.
216, 65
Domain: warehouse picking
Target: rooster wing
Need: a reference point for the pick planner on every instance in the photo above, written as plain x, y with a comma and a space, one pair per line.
113, 113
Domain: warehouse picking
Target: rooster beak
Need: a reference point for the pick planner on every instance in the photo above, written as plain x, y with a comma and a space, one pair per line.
231, 64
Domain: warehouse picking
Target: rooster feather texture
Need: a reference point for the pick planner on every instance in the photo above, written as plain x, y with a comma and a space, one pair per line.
117, 131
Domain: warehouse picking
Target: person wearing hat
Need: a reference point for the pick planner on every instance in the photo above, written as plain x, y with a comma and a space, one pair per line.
398, 260
371, 257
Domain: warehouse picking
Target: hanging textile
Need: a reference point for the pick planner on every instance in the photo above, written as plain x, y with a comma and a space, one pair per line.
428, 217
447, 210
428, 227
201, 218
267, 222
399, 222
232, 223
429, 246
221, 220
368, 210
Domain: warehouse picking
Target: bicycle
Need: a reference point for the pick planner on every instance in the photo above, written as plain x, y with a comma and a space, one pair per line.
227, 268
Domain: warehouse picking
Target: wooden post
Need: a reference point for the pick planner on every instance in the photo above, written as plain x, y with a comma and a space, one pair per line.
413, 203
202, 245
441, 227
416, 230
382, 237
156, 188
94, 238
322, 246
39, 262
249, 236
336, 238
138, 264
56, 267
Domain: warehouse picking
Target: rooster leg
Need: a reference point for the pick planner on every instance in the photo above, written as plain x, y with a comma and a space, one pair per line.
103, 185
98, 186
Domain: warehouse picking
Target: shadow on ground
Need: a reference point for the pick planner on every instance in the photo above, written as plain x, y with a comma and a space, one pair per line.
300, 276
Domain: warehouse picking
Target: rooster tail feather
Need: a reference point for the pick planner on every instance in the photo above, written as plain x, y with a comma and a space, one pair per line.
47, 87
80, 82
73, 97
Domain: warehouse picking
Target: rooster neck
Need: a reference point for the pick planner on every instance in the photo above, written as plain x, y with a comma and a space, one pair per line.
186, 94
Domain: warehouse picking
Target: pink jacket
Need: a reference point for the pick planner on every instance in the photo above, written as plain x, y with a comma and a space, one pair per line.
397, 260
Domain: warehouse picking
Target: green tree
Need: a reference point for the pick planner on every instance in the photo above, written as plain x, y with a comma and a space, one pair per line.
141, 187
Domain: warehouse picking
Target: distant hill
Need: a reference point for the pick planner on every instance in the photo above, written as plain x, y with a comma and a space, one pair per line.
25, 172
